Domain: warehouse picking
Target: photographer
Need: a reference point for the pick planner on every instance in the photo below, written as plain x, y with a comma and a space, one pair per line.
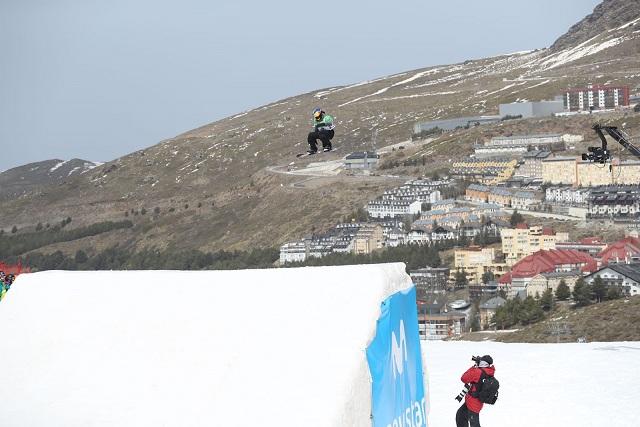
469, 412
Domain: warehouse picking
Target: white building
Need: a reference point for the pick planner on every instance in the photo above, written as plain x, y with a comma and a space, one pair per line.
526, 140
626, 276
567, 195
418, 236
524, 200
361, 160
395, 238
392, 208
301, 250
293, 252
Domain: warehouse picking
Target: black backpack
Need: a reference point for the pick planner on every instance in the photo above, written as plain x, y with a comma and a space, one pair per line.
487, 389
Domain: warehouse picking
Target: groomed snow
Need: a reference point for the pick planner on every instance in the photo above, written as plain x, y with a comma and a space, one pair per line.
551, 385
278, 347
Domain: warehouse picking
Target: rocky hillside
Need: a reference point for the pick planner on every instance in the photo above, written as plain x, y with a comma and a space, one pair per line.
608, 15
236, 183
38, 176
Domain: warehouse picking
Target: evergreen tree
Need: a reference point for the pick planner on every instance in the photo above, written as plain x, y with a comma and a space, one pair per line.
563, 292
530, 311
546, 301
461, 281
81, 257
598, 288
516, 218
487, 276
582, 293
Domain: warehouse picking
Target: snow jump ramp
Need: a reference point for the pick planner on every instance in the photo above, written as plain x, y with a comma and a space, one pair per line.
326, 346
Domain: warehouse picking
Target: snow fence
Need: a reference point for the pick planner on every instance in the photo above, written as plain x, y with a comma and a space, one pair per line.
279, 347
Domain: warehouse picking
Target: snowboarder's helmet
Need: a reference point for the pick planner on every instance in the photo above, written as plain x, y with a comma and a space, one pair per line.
317, 113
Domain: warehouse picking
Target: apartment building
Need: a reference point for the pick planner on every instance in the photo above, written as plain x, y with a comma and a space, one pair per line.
596, 97
525, 200
430, 279
523, 240
559, 170
477, 193
567, 195
614, 202
475, 261
543, 281
535, 140
485, 171
392, 208
532, 164
589, 174
368, 239
500, 196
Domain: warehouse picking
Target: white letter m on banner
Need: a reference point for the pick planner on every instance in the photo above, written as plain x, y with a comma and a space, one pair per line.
398, 351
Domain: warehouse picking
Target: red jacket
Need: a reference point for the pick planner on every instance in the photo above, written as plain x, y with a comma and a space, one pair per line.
472, 376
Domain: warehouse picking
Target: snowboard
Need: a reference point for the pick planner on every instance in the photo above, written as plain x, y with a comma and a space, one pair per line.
305, 154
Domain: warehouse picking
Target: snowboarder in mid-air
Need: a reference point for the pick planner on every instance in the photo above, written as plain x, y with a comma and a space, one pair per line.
479, 376
322, 130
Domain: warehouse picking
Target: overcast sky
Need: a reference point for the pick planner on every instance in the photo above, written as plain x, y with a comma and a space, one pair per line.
99, 79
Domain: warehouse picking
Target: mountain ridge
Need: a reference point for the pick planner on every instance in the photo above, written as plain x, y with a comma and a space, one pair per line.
35, 176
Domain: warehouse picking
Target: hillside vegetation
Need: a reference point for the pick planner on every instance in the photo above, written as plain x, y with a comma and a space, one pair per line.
617, 320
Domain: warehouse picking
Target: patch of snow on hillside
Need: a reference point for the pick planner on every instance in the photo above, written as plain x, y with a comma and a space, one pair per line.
445, 79
57, 166
539, 84
400, 83
92, 165
237, 116
366, 82
586, 48
73, 170
504, 88
418, 95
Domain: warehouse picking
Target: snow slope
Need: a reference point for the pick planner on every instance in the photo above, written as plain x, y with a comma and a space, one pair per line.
551, 385
279, 347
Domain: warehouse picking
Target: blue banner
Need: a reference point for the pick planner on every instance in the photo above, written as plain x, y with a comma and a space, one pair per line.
395, 363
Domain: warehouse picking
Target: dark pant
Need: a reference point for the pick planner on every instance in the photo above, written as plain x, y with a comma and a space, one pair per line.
466, 418
323, 135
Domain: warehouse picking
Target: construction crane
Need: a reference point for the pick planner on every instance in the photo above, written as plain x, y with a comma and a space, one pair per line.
602, 154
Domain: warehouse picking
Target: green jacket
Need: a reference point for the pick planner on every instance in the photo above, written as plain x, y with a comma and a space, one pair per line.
325, 123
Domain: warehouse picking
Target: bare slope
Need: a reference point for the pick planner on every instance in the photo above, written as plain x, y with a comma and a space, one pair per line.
214, 187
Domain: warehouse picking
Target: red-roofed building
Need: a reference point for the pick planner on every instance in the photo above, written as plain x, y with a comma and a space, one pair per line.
545, 261
623, 251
